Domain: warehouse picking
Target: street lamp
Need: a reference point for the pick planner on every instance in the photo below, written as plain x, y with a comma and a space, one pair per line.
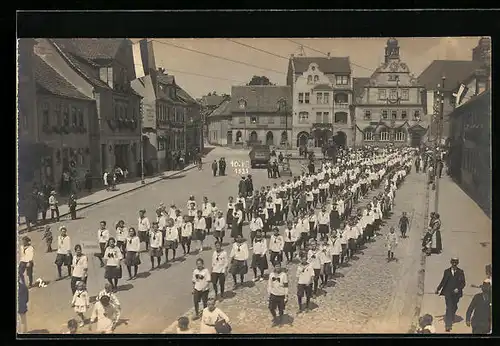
439, 125
242, 102
282, 107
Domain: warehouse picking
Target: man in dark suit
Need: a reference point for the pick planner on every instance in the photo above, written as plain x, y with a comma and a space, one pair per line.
451, 287
479, 311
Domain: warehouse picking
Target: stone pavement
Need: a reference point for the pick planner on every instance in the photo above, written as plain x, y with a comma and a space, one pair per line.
466, 233
367, 296
104, 195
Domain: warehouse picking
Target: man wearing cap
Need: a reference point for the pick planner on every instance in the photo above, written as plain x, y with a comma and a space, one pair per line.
479, 312
54, 206
451, 287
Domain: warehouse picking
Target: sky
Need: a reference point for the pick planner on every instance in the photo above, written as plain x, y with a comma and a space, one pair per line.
187, 66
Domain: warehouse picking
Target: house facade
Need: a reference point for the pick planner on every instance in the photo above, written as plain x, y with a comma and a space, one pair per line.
388, 106
322, 100
218, 124
260, 114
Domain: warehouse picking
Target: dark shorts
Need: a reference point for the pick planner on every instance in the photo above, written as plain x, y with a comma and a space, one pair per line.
208, 222
113, 272
143, 237
239, 268
155, 252
259, 262
63, 259
132, 258
326, 269
335, 260
171, 244
219, 234
199, 234
304, 290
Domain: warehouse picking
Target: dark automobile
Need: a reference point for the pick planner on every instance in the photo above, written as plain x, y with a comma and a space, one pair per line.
259, 155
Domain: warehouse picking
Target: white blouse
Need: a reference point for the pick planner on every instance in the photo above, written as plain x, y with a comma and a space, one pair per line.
155, 239
187, 229
200, 223
133, 244
80, 266
63, 245
171, 234
143, 225
121, 233
112, 256
102, 235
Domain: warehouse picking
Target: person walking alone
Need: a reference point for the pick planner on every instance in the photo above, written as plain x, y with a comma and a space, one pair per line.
479, 312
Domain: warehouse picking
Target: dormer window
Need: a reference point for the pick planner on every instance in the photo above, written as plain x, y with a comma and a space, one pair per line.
316, 79
309, 79
313, 68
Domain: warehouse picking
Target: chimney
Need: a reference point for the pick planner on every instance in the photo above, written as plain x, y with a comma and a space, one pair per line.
328, 55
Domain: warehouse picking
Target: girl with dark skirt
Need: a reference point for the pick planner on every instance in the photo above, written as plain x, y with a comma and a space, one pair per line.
326, 263
143, 228
286, 209
259, 257
113, 270
80, 268
170, 239
178, 222
63, 256
344, 240
302, 228
186, 235
335, 250
313, 257
219, 227
132, 256
155, 245
201, 286
102, 237
309, 198
239, 260
256, 224
313, 225
278, 207
121, 235
271, 211
237, 226
230, 210
290, 239
26, 263
200, 226
207, 213
276, 246
241, 204
315, 192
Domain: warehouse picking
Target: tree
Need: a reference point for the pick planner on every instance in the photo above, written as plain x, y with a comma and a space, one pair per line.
260, 80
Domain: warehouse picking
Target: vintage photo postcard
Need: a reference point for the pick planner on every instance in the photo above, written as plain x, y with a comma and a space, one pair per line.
254, 186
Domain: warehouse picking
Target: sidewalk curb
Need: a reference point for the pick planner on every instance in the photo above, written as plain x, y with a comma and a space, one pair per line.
187, 169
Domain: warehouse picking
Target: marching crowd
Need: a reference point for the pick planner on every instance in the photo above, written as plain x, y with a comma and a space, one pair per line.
309, 218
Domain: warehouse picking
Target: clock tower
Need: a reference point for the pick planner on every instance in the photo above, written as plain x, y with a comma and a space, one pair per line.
392, 51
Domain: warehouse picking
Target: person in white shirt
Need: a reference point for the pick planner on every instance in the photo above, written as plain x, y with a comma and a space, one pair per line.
113, 257
143, 228
259, 257
170, 239
63, 256
323, 191
237, 225
54, 206
80, 301
132, 255
238, 258
191, 205
80, 268
206, 208
27, 254
201, 286
103, 238
210, 316
313, 225
256, 224
309, 198
325, 257
323, 223
220, 263
335, 250
155, 245
290, 240
344, 240
305, 276
277, 288
108, 291
278, 207
270, 211
200, 227
219, 227
313, 256
172, 212
276, 244
106, 315
303, 227
186, 228
121, 235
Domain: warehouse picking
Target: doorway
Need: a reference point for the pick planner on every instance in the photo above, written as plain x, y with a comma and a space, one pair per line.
269, 138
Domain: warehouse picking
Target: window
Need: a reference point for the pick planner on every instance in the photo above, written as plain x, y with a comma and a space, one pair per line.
393, 77
416, 115
326, 98
393, 94
309, 79
384, 136
403, 115
326, 117
368, 115
319, 117
270, 119
80, 118
341, 118
66, 116
400, 136
45, 114
382, 94
306, 98
161, 144
57, 114
394, 115
242, 119
253, 120
405, 94
283, 120
316, 79
368, 134
301, 97
384, 114
319, 98
303, 117
341, 80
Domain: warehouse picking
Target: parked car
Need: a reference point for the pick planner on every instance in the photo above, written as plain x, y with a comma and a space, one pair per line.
259, 155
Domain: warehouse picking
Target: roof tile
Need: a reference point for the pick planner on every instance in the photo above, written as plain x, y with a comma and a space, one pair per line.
91, 48
325, 65
224, 109
260, 98
455, 72
50, 80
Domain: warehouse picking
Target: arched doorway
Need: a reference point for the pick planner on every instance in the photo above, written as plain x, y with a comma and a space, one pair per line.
341, 139
269, 138
320, 137
302, 138
253, 137
229, 137
328, 136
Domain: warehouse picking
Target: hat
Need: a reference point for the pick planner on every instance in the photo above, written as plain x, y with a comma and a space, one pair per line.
52, 192
142, 210
454, 259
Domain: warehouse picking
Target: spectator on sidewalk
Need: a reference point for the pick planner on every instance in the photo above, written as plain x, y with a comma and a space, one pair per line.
22, 303
214, 167
425, 325
451, 287
72, 206
27, 254
105, 180
54, 206
479, 312
106, 315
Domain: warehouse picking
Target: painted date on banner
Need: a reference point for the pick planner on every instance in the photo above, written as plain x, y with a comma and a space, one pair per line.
241, 167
